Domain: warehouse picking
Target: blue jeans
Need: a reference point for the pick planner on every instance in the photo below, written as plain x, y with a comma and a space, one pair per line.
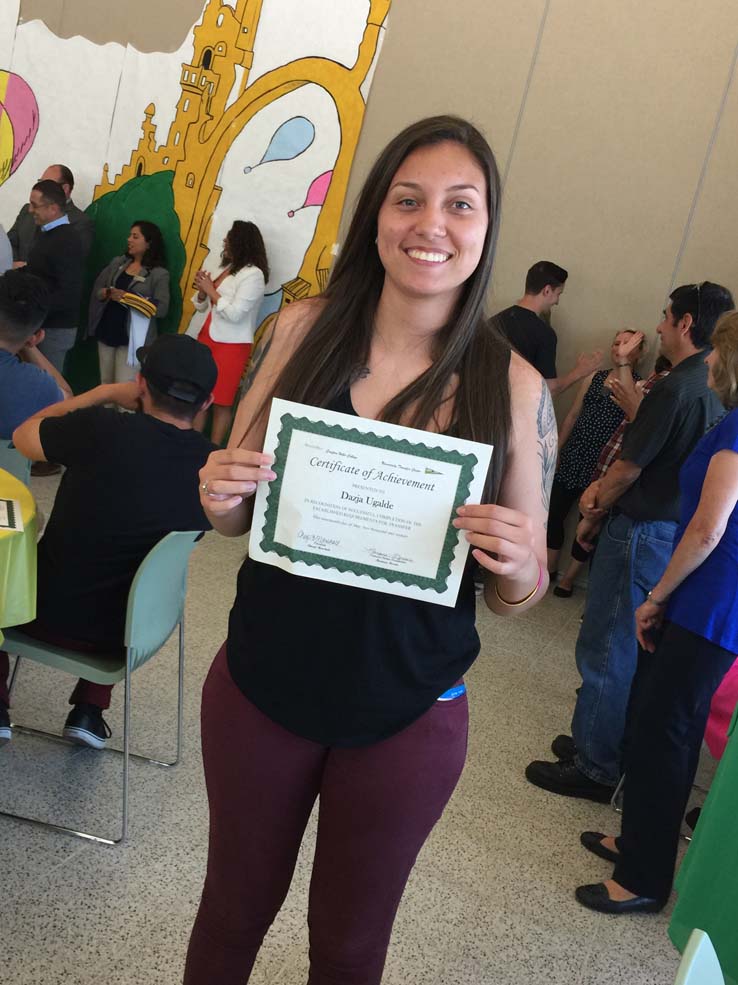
630, 557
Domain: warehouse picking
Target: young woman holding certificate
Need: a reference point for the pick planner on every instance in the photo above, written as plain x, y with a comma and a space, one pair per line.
352, 695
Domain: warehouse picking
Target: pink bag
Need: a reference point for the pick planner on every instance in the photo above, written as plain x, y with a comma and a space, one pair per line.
721, 711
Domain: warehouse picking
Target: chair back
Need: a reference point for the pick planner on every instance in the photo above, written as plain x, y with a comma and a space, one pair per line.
12, 461
157, 595
699, 964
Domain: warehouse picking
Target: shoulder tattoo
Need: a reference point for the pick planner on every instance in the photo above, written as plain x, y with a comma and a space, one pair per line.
548, 443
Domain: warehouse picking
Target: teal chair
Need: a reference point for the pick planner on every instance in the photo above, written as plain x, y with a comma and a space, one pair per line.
12, 461
699, 964
155, 608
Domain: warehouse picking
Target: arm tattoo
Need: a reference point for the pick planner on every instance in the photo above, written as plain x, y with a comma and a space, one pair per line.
257, 359
548, 443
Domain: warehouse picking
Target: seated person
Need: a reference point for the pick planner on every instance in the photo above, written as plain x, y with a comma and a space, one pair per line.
130, 479
28, 381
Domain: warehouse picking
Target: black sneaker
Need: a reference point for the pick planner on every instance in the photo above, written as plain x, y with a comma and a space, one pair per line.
564, 747
564, 778
86, 726
6, 733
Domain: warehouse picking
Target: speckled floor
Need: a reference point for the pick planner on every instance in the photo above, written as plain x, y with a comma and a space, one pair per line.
490, 900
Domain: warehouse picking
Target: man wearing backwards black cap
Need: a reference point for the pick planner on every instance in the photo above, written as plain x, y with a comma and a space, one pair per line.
130, 479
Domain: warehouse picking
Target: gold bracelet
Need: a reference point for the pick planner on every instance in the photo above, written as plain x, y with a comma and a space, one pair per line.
528, 597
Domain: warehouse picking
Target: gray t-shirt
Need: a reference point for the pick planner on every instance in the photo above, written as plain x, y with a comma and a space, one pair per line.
668, 425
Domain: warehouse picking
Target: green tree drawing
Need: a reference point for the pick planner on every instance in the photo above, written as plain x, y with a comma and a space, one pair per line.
148, 196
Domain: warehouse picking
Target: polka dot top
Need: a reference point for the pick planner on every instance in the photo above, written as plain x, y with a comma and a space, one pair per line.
597, 420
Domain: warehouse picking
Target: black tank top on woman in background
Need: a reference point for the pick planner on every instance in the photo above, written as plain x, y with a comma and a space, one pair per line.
339, 665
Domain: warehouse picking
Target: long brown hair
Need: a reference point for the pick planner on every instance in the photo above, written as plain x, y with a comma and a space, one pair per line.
338, 343
725, 369
245, 248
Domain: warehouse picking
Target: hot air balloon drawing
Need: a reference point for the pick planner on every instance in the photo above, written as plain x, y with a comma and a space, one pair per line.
18, 121
289, 140
316, 192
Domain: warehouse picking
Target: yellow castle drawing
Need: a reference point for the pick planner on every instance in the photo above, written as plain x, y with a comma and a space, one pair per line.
208, 120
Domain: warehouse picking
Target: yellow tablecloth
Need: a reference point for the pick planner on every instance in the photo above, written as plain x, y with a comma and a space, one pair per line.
17, 558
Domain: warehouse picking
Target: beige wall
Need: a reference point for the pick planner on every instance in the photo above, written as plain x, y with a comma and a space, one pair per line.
601, 116
150, 25
613, 133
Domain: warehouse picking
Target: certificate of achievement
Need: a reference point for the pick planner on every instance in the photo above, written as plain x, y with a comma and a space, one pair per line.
365, 503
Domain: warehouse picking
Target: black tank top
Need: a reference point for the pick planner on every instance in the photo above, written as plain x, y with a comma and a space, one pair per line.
339, 665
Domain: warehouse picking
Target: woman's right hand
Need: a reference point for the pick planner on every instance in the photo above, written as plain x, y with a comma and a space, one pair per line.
230, 476
627, 396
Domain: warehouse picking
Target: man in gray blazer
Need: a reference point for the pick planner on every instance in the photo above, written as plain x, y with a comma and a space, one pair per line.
24, 230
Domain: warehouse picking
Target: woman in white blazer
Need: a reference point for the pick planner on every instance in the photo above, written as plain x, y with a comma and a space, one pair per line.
232, 301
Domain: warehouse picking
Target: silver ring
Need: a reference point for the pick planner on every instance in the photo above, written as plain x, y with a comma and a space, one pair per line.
204, 487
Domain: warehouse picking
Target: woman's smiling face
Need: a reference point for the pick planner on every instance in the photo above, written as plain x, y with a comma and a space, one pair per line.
432, 224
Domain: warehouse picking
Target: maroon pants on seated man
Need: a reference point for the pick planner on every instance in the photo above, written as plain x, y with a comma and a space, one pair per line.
85, 692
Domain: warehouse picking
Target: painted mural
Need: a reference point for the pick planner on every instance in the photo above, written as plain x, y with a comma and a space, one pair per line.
18, 122
246, 120
272, 149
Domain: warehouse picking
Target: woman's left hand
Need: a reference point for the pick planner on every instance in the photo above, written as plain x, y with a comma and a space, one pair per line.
649, 617
505, 533
624, 349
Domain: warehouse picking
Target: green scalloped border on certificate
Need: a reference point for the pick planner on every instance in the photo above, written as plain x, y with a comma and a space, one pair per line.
290, 424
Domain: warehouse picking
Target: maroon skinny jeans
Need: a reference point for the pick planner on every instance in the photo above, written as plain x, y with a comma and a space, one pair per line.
378, 804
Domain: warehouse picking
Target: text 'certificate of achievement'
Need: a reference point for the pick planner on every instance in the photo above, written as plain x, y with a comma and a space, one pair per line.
365, 503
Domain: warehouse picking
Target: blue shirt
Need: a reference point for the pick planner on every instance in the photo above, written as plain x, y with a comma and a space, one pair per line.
706, 603
24, 390
63, 220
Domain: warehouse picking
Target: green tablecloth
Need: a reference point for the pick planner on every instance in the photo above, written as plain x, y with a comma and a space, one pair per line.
707, 882
17, 558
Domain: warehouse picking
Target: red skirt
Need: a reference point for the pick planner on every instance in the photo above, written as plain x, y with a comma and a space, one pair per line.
231, 359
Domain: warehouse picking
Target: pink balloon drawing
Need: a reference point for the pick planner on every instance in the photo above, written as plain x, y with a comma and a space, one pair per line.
316, 192
18, 121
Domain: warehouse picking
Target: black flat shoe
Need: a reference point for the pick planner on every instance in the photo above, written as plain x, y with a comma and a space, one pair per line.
596, 897
564, 747
592, 841
564, 778
563, 593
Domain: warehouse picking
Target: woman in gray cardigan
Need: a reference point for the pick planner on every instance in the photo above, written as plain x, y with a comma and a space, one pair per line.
117, 319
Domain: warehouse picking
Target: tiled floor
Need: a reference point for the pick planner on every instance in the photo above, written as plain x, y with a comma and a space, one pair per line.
490, 900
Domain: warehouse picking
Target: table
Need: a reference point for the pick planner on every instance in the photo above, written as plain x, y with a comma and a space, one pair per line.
707, 882
18, 558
